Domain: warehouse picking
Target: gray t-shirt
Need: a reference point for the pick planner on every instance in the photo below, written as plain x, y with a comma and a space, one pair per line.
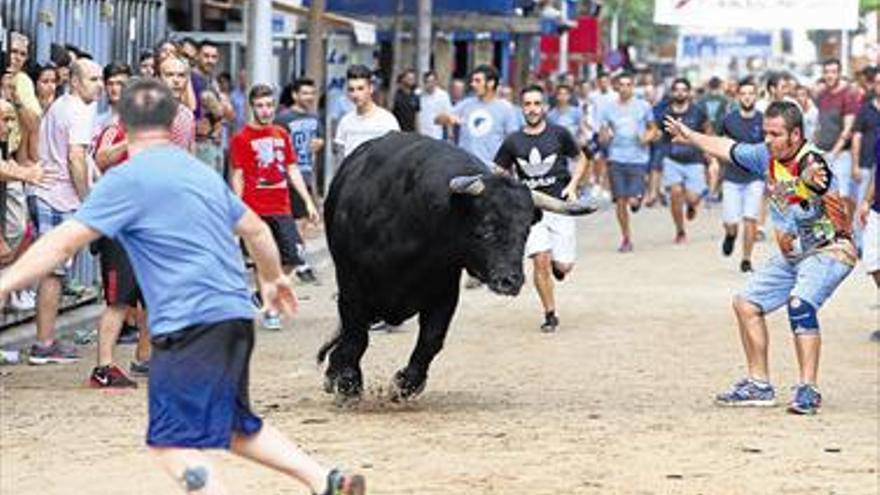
484, 126
628, 122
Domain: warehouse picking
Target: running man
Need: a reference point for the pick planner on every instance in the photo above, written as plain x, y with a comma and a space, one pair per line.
869, 219
538, 155
626, 128
817, 253
367, 120
262, 161
177, 220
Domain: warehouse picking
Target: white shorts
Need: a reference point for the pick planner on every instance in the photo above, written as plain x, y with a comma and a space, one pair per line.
741, 201
554, 233
871, 243
842, 170
690, 175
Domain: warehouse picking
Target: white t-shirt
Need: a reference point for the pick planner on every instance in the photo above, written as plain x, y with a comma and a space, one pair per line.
355, 129
67, 122
433, 104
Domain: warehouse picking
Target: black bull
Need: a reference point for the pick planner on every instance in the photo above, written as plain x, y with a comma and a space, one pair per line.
404, 215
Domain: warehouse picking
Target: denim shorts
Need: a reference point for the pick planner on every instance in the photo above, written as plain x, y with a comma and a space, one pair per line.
812, 279
690, 175
741, 201
46, 218
627, 179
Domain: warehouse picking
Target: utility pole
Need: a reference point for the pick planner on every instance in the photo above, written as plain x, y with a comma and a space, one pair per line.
423, 58
259, 42
563, 37
315, 43
397, 64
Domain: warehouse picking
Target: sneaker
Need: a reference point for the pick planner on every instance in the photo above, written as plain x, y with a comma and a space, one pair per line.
551, 322
748, 393
558, 274
271, 321
806, 400
110, 376
625, 247
875, 336
307, 276
380, 326
761, 235
128, 334
680, 238
745, 266
345, 484
691, 212
635, 207
52, 353
22, 300
727, 245
139, 368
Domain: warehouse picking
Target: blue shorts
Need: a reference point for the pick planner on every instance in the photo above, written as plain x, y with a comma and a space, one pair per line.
627, 179
690, 175
198, 392
812, 279
46, 218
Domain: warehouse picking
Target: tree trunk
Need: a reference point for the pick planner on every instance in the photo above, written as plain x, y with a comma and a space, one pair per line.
315, 44
423, 63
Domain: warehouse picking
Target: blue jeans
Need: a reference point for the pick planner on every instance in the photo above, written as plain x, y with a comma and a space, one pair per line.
46, 218
812, 279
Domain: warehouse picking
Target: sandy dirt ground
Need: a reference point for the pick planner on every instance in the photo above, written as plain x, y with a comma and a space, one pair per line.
617, 402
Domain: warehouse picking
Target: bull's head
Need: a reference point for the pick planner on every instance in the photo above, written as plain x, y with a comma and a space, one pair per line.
500, 215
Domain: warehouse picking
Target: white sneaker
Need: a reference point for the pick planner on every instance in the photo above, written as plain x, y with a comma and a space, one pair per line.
271, 321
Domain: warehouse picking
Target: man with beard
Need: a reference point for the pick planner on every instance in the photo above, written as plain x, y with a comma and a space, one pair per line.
406, 101
684, 171
742, 191
262, 160
816, 251
538, 156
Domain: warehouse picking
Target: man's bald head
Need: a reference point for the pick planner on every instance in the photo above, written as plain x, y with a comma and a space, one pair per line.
86, 79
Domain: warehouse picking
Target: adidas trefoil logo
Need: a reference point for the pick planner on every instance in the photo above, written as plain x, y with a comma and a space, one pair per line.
536, 166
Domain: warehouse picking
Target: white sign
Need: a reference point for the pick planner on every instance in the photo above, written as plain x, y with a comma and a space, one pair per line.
759, 14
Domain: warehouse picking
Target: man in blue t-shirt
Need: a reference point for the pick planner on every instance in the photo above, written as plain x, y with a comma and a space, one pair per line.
869, 219
684, 170
177, 220
742, 191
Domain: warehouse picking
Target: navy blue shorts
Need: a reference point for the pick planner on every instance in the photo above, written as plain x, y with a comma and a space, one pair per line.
198, 389
627, 179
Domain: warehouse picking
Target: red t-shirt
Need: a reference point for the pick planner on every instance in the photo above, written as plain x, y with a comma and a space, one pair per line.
109, 136
263, 155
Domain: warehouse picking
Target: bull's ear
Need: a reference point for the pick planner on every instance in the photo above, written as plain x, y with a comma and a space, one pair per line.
467, 184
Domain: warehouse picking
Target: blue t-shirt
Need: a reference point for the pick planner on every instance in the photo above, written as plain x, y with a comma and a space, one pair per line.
628, 122
742, 130
302, 127
570, 118
484, 126
175, 218
876, 205
868, 124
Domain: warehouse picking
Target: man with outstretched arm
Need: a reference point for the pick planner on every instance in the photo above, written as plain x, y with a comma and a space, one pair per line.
814, 235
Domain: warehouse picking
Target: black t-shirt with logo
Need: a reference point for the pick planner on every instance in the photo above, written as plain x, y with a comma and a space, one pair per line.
540, 161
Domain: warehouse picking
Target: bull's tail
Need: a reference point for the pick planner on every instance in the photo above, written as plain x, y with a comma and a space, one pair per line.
329, 345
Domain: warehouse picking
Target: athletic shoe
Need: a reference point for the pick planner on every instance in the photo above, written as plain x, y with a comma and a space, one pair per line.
139, 368
806, 400
761, 235
557, 273
727, 245
551, 322
635, 207
680, 238
748, 393
625, 247
52, 353
345, 484
23, 300
271, 321
128, 334
110, 376
745, 266
691, 212
307, 276
875, 336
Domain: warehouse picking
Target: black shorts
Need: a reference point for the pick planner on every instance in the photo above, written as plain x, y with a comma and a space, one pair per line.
286, 237
120, 286
198, 388
297, 205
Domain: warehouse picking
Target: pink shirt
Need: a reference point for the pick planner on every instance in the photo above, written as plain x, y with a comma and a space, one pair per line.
183, 128
67, 122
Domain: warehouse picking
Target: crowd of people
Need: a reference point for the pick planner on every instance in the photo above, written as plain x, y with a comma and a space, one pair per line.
802, 153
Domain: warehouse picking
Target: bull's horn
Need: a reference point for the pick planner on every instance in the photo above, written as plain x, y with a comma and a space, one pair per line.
467, 184
549, 203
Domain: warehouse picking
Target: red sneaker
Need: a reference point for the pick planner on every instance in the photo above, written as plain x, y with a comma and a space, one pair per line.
110, 376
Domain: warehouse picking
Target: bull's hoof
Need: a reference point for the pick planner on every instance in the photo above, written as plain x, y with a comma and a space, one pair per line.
346, 385
405, 386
